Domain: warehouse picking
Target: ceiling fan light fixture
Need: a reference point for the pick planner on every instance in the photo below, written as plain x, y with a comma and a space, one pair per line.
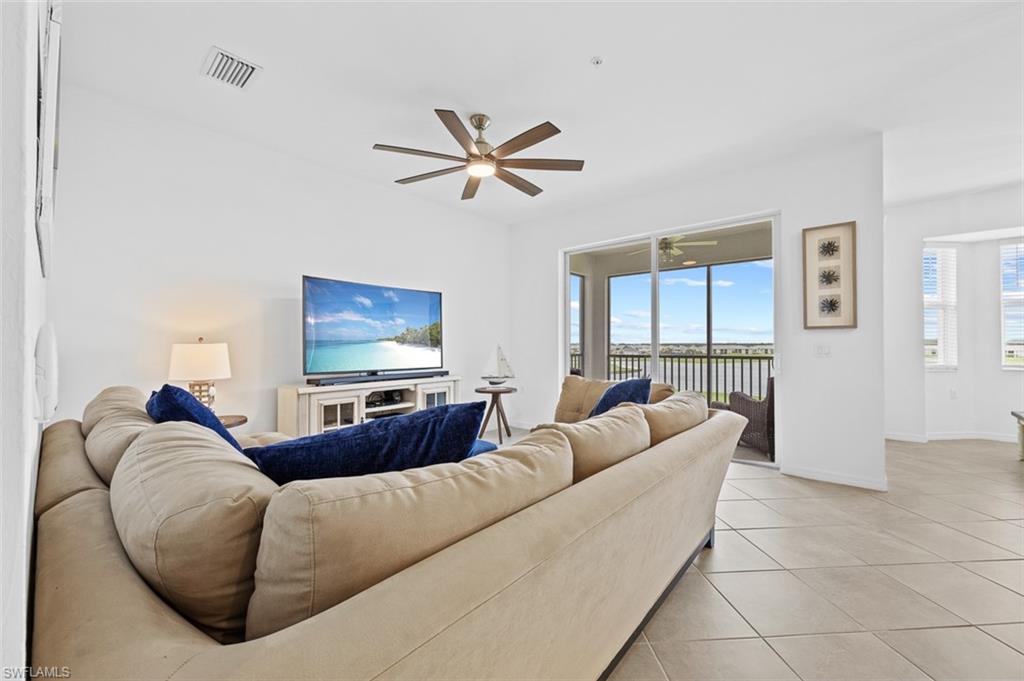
480, 167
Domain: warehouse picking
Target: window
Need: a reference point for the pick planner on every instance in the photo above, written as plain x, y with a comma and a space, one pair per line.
938, 269
1011, 289
576, 287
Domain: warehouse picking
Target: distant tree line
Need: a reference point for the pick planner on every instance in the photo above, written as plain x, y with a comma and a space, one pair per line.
429, 335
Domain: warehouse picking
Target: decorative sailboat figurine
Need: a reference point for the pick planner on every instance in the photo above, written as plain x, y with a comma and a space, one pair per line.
502, 372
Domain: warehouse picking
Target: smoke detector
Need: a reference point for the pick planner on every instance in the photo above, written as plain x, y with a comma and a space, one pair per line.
229, 69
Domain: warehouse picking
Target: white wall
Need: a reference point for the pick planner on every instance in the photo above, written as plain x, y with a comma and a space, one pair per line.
918, 404
829, 422
22, 292
172, 231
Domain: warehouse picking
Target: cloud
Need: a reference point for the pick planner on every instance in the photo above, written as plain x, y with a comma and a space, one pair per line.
642, 314
344, 316
398, 321
615, 320
671, 281
390, 295
767, 264
689, 281
362, 301
575, 304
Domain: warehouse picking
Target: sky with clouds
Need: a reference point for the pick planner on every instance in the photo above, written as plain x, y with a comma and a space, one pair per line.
337, 310
742, 313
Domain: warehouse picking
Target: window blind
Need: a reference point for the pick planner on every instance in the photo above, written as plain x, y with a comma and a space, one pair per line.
1011, 287
938, 270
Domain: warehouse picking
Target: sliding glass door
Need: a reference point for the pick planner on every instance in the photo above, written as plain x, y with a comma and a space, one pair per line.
692, 309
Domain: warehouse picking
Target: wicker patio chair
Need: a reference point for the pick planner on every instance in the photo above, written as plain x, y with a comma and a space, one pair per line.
760, 431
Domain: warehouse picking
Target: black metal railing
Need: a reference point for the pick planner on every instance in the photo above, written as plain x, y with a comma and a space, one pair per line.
576, 361
724, 374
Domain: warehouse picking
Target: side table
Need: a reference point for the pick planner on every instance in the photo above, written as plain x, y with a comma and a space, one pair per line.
496, 391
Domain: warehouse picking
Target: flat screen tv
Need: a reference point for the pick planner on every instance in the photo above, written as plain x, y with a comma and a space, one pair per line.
356, 328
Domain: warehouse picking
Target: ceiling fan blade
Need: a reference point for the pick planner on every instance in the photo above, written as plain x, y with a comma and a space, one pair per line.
517, 182
698, 243
427, 176
472, 184
416, 152
527, 139
454, 124
541, 164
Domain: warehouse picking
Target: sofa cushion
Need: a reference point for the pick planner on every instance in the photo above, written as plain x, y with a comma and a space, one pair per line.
326, 540
172, 403
674, 415
604, 440
111, 400
261, 439
189, 510
579, 396
635, 390
64, 469
423, 438
111, 436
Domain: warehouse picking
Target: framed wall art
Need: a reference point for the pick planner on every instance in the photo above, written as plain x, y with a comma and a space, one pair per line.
830, 276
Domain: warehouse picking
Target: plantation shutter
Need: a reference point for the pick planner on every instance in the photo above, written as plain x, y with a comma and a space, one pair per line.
1011, 285
938, 270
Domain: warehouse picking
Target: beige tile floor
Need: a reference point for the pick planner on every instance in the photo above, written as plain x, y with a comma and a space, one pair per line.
823, 582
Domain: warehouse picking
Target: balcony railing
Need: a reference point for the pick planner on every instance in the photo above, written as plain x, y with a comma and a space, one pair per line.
725, 374
576, 361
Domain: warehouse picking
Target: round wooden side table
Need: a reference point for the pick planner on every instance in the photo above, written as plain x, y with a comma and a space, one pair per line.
496, 391
233, 420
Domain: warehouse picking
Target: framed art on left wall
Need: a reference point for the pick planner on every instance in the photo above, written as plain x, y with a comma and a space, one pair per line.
830, 276
46, 140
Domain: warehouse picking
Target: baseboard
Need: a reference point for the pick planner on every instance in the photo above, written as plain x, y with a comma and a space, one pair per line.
972, 435
879, 485
906, 437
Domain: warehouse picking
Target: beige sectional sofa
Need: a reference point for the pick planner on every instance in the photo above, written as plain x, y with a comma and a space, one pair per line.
163, 553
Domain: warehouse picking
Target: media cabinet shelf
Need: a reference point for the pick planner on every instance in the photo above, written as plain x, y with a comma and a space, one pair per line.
390, 407
311, 409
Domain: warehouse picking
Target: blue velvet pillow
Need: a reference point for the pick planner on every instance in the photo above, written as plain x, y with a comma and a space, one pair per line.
482, 447
440, 435
636, 390
172, 403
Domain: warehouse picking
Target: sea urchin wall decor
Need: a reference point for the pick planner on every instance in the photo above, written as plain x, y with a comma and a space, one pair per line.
830, 281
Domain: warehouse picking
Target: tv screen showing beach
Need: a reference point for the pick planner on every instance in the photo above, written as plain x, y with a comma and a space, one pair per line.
349, 327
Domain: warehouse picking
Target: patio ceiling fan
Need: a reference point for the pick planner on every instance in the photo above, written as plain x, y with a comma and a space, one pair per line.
669, 246
483, 160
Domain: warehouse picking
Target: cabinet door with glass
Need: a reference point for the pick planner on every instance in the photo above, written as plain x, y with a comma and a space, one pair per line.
335, 413
434, 396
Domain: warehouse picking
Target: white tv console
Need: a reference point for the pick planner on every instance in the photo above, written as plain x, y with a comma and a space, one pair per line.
311, 409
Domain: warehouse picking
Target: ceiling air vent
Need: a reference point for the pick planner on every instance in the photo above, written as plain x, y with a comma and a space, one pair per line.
227, 68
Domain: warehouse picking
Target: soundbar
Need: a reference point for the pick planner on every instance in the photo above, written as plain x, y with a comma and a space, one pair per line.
368, 378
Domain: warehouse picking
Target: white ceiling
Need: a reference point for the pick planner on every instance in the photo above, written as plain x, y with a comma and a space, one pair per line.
683, 86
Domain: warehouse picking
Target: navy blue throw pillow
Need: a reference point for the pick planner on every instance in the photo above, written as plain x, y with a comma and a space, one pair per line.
172, 403
636, 390
440, 435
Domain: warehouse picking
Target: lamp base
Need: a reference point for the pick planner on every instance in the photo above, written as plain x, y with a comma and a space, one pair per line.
204, 391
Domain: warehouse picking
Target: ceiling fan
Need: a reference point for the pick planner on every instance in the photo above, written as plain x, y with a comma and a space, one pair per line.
669, 246
483, 160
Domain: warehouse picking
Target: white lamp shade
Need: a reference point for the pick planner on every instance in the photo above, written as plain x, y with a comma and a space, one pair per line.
199, 362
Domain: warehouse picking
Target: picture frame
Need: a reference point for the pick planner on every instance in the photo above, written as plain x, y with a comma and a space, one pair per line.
47, 120
830, 276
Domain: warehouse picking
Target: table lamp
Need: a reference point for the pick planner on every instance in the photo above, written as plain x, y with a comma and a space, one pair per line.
200, 364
